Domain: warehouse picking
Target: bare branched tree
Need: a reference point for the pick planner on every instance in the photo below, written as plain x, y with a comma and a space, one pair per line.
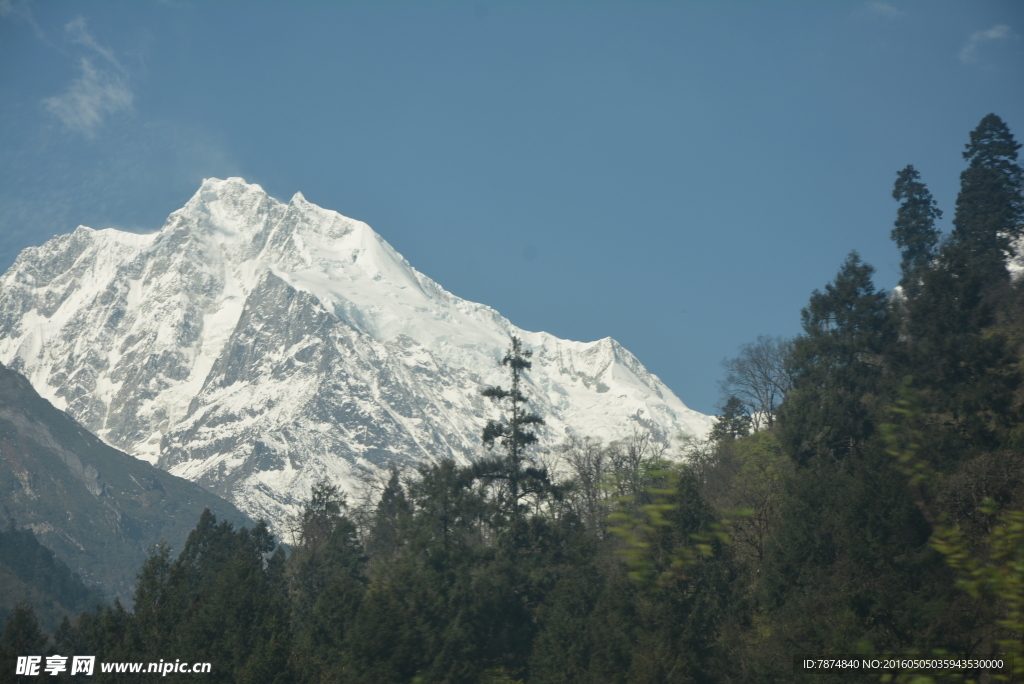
601, 474
701, 455
588, 461
629, 460
759, 377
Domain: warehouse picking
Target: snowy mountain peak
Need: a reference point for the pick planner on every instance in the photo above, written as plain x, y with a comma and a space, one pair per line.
255, 346
226, 201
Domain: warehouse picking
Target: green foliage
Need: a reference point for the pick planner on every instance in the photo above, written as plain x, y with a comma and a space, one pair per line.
514, 433
998, 575
733, 423
321, 529
964, 366
21, 637
966, 370
222, 600
989, 208
391, 520
644, 524
754, 472
448, 509
990, 568
325, 576
837, 366
915, 233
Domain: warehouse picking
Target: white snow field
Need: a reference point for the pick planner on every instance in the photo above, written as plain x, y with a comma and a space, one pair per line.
255, 346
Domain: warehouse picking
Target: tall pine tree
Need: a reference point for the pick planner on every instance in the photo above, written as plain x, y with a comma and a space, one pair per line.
966, 370
990, 208
837, 365
915, 231
514, 433
391, 520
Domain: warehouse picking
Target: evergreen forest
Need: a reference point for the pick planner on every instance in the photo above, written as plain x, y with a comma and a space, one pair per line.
862, 494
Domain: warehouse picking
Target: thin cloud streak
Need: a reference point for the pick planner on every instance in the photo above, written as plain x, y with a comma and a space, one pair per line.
100, 90
81, 36
19, 9
968, 54
884, 10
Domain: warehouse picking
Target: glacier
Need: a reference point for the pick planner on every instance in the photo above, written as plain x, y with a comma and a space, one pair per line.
255, 347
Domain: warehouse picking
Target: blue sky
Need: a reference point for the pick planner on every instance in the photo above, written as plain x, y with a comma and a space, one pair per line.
678, 176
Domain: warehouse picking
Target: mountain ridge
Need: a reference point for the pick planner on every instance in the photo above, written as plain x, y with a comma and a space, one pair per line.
254, 346
98, 509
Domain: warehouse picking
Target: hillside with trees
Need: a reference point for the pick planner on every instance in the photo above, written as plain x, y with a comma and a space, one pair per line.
862, 494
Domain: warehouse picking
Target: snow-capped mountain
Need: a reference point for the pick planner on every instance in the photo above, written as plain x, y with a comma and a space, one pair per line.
254, 346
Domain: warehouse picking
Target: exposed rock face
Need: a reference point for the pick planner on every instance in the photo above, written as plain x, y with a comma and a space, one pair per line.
254, 346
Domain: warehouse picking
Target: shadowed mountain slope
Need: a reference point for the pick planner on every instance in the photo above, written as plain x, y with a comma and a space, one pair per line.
98, 509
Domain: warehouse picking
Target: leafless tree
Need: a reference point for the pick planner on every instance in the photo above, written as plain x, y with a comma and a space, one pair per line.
759, 377
701, 455
629, 460
588, 461
600, 473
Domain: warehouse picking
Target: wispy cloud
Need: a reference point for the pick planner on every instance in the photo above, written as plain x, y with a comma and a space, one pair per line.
101, 89
19, 9
883, 9
969, 52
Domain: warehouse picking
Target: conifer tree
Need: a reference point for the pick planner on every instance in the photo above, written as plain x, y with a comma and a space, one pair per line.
307, 568
837, 364
331, 581
733, 423
990, 208
157, 605
446, 508
514, 433
968, 371
390, 520
915, 231
21, 637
